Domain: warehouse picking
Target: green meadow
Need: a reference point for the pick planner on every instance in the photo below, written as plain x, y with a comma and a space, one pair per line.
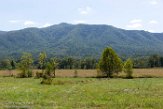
81, 93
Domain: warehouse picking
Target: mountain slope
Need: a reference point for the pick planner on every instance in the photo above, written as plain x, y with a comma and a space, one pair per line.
79, 40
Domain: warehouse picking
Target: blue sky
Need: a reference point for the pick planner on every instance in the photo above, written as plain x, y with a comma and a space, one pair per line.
127, 14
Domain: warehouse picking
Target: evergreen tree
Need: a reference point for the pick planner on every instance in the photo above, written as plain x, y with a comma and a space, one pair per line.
110, 62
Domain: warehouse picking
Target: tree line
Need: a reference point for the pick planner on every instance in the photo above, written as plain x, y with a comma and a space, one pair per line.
84, 63
63, 63
148, 62
109, 63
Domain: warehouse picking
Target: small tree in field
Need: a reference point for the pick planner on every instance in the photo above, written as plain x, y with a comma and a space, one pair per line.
42, 62
54, 65
128, 68
25, 65
47, 76
42, 58
110, 62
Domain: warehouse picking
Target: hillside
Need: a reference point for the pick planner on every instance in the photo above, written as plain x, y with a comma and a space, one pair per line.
79, 41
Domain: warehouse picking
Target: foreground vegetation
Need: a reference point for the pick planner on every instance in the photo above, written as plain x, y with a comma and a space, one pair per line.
81, 93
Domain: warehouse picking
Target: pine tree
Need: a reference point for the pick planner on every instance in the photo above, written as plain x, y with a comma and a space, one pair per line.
110, 62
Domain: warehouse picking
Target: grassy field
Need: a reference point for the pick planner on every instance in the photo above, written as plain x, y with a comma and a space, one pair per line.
68, 93
82, 93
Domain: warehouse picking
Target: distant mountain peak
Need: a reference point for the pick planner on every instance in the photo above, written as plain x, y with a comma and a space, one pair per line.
79, 40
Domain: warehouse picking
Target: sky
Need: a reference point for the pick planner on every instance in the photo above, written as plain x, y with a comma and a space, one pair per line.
126, 14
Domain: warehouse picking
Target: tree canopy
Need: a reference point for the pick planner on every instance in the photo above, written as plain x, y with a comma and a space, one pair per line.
110, 62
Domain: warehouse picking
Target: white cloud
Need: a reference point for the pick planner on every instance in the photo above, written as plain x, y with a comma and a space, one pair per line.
85, 11
153, 22
136, 21
154, 2
13, 21
152, 31
79, 21
29, 23
46, 25
135, 25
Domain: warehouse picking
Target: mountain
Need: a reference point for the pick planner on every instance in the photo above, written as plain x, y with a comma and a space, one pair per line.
79, 41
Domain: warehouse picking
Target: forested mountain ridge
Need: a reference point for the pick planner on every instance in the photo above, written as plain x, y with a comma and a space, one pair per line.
79, 41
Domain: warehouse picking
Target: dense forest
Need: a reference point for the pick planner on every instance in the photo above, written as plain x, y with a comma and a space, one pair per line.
79, 41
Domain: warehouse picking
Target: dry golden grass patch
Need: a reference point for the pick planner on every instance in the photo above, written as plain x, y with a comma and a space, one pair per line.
59, 73
155, 72
8, 72
80, 73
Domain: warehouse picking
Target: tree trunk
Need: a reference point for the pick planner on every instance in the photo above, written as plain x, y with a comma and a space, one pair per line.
54, 74
107, 75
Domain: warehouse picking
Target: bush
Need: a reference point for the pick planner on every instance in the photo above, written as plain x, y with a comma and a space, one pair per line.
47, 80
47, 76
128, 68
75, 74
25, 74
25, 65
30, 73
39, 74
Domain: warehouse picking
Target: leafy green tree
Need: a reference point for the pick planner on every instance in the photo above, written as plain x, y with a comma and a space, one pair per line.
25, 65
109, 62
6, 64
47, 76
42, 60
128, 68
49, 69
154, 61
54, 65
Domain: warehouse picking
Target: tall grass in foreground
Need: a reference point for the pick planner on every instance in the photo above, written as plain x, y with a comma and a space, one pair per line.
82, 93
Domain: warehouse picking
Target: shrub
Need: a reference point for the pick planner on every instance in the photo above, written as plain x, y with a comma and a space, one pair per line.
47, 76
25, 66
30, 73
47, 80
39, 74
25, 74
128, 68
75, 74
